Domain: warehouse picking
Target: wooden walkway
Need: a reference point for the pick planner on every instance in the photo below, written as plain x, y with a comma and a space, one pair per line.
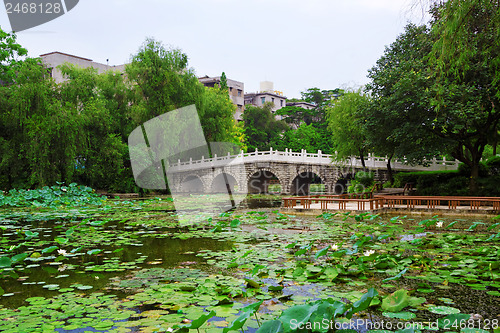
388, 203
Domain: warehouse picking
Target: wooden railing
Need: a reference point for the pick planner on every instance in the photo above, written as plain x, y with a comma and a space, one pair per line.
366, 201
341, 202
430, 202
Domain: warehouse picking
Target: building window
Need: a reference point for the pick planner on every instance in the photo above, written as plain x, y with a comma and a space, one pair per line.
272, 100
239, 92
263, 100
281, 102
230, 88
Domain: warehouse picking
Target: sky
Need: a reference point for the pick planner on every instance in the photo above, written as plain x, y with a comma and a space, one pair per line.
297, 44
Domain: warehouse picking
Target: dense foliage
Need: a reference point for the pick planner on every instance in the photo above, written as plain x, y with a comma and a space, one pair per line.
435, 89
54, 196
346, 122
262, 130
454, 182
68, 269
307, 128
77, 131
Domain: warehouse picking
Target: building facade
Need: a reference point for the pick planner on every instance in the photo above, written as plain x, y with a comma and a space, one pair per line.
53, 59
236, 90
304, 105
267, 94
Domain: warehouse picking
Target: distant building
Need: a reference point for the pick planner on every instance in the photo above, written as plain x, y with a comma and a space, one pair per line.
54, 59
304, 105
267, 94
236, 92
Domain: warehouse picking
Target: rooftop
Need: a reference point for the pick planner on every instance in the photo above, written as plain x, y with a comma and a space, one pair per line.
65, 54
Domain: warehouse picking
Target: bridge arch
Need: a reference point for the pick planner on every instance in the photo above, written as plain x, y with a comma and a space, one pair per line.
192, 184
259, 180
221, 180
301, 183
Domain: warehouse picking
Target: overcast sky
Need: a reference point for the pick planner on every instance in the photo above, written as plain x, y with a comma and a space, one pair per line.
297, 44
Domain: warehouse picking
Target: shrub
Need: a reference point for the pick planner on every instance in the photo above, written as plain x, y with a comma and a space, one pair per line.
362, 182
454, 183
465, 170
424, 178
454, 186
364, 178
493, 164
488, 187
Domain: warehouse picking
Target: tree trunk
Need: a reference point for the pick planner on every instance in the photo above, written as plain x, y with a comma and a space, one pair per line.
495, 142
474, 175
362, 160
389, 170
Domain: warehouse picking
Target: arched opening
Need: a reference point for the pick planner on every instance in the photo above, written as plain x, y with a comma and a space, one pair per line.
192, 184
263, 181
305, 183
342, 183
224, 182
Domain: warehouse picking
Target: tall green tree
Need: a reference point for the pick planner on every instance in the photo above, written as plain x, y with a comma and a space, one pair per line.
223, 82
466, 57
321, 99
11, 53
163, 82
295, 116
262, 130
399, 118
346, 118
102, 158
305, 137
44, 129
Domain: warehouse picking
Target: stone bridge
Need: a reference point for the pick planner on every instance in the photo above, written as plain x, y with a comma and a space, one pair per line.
254, 172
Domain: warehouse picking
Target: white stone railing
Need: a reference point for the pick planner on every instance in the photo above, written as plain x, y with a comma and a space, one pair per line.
288, 156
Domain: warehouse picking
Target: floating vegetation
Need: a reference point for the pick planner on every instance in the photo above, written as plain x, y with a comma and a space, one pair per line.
128, 266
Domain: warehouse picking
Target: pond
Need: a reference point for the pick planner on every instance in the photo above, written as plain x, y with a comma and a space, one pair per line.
129, 266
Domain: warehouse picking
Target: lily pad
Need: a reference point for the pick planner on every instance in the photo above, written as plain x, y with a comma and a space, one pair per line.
400, 315
396, 301
443, 310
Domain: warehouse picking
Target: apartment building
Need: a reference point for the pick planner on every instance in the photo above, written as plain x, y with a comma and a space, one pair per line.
236, 90
304, 105
53, 59
265, 95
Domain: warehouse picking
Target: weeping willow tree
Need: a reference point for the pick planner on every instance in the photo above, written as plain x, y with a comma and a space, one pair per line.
41, 134
162, 82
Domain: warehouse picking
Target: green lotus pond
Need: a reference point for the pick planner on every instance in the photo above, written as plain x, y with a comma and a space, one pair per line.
130, 266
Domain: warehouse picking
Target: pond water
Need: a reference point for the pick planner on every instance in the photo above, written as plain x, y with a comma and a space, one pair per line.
129, 266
